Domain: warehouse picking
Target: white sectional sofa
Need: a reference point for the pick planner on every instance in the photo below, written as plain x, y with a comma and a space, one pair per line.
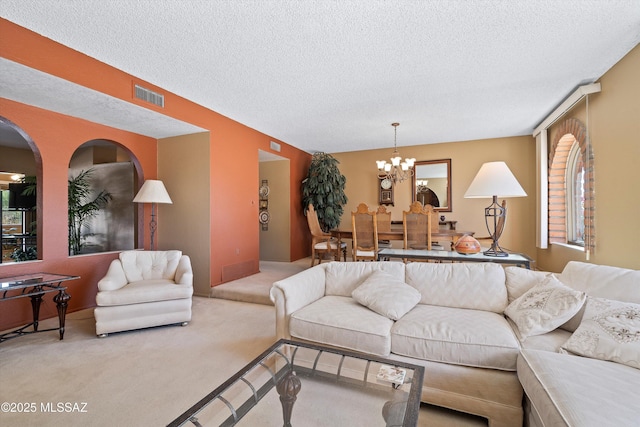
451, 319
603, 387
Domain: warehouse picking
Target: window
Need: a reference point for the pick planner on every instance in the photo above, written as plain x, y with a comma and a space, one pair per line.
575, 196
571, 195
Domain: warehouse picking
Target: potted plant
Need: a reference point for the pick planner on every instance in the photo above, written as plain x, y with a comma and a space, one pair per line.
82, 208
27, 254
324, 189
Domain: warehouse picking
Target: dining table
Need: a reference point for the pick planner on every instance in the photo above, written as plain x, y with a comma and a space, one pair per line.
451, 236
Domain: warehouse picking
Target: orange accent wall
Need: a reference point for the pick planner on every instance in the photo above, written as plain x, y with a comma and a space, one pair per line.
234, 177
56, 137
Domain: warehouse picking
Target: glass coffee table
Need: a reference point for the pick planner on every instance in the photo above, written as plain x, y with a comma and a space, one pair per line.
301, 384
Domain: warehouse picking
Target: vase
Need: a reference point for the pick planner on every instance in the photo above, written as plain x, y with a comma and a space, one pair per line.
467, 245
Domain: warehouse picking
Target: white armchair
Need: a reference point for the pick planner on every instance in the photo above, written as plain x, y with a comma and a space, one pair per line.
143, 289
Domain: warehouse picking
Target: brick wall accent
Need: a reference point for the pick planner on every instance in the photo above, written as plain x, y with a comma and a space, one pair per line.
570, 131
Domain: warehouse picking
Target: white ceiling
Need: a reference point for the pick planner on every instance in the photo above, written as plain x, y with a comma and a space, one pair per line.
333, 75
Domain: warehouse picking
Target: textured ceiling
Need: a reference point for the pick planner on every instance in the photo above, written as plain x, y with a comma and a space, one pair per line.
333, 75
53, 93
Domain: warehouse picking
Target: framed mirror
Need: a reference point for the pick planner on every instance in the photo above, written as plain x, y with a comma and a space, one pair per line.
432, 184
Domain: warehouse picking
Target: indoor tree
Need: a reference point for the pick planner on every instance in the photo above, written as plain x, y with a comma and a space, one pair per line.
324, 189
82, 208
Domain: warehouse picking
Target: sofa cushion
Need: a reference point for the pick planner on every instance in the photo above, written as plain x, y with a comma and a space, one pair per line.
576, 391
144, 291
601, 281
344, 277
145, 265
342, 322
458, 336
544, 307
551, 341
610, 330
479, 286
386, 295
519, 280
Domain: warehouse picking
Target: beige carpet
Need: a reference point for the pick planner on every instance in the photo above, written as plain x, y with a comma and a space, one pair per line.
142, 378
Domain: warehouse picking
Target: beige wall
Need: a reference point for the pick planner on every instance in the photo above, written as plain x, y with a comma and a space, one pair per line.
614, 130
466, 158
17, 160
274, 242
183, 166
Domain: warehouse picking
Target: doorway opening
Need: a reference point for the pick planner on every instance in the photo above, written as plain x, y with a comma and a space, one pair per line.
274, 216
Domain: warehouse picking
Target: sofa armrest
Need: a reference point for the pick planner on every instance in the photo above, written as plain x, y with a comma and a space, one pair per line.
184, 272
114, 279
291, 294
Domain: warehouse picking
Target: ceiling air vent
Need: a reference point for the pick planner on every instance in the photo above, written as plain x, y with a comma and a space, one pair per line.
149, 96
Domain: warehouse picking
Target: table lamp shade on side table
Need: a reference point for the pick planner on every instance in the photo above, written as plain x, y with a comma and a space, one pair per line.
493, 180
152, 191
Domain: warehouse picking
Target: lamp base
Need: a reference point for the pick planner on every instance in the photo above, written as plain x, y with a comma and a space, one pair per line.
495, 216
495, 252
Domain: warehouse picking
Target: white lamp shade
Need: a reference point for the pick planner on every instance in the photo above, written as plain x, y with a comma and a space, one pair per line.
494, 179
152, 191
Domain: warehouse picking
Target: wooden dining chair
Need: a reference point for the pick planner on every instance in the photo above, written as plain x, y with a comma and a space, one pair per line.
364, 224
321, 242
417, 226
439, 242
384, 225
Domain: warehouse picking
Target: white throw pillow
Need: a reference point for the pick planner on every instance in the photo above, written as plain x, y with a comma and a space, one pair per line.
610, 330
519, 280
386, 295
544, 307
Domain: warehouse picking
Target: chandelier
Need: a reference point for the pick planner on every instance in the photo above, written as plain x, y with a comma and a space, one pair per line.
396, 171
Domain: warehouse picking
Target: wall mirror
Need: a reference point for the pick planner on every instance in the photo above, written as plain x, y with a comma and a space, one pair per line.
432, 183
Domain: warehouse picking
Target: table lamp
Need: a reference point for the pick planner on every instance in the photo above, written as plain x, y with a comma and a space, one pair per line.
152, 191
495, 179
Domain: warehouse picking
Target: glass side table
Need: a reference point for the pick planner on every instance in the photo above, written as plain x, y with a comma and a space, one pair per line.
35, 286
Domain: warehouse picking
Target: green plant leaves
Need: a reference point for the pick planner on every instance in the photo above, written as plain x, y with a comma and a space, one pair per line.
81, 210
324, 188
